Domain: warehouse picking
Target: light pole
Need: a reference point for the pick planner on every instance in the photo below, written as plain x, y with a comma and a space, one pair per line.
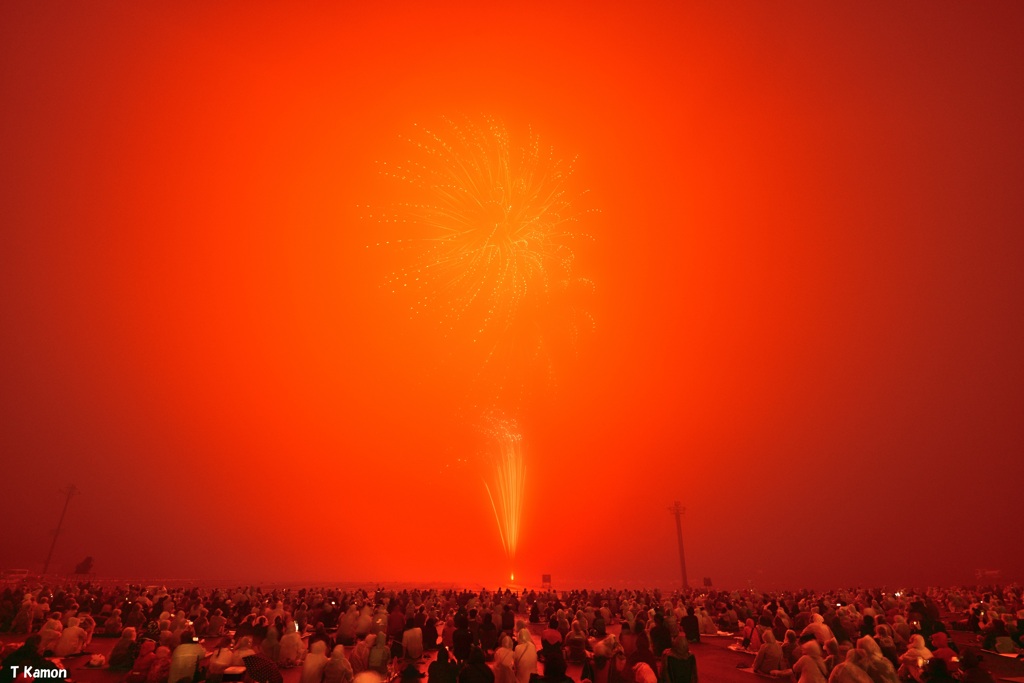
70, 491
678, 511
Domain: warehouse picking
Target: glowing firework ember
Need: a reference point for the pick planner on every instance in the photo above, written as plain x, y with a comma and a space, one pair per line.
491, 260
509, 485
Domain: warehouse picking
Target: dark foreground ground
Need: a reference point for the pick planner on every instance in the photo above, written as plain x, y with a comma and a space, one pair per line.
715, 662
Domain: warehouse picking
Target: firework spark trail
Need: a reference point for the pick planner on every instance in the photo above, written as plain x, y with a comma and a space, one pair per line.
510, 486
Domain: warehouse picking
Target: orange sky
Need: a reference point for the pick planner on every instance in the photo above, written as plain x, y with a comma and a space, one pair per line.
807, 268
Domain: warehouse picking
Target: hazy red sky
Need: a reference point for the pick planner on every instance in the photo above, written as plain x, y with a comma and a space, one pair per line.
808, 265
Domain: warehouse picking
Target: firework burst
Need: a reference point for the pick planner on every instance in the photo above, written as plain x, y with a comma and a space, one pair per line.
490, 255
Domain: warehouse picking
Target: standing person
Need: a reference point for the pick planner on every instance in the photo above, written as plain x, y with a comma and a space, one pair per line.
678, 665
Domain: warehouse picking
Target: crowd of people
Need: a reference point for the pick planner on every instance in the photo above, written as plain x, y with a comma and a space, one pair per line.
614, 636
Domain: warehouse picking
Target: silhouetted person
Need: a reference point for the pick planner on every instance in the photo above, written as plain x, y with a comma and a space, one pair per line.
26, 655
690, 625
441, 670
508, 620
476, 669
971, 667
462, 638
661, 637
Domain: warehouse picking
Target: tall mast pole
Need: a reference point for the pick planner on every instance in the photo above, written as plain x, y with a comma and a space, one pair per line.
677, 510
70, 491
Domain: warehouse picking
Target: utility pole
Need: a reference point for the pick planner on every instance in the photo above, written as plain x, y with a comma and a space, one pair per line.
678, 511
70, 491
